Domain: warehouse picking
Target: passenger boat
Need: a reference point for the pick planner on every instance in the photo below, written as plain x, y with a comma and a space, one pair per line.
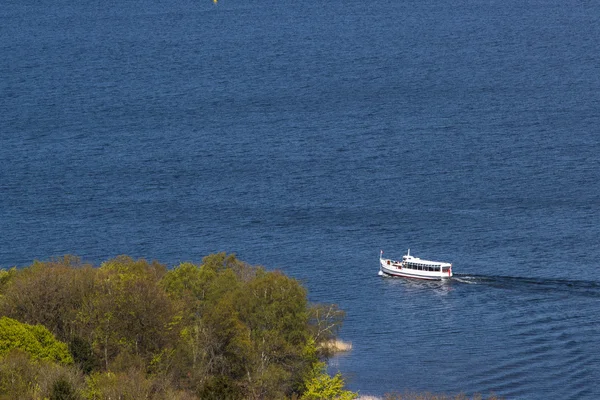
413, 267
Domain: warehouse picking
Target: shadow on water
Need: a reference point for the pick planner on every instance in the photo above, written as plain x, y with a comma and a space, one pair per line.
559, 286
442, 286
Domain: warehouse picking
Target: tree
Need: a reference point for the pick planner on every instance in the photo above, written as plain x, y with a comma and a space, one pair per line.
62, 389
83, 355
128, 312
188, 282
126, 385
35, 340
321, 386
5, 277
248, 334
325, 321
17, 372
274, 309
222, 330
49, 293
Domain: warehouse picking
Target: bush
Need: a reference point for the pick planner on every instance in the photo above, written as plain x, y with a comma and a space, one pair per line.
321, 386
62, 389
24, 377
35, 340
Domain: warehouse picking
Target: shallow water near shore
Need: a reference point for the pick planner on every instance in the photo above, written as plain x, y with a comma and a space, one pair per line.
308, 136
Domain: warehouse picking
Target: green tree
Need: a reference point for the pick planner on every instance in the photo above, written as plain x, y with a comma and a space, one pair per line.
83, 354
17, 375
273, 307
49, 293
128, 312
211, 338
25, 377
131, 384
62, 389
108, 385
35, 340
188, 282
5, 277
223, 329
321, 386
248, 334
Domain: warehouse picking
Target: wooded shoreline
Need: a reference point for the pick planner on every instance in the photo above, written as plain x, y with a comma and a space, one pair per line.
132, 329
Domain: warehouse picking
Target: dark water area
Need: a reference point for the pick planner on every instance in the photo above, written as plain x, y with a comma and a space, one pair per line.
307, 136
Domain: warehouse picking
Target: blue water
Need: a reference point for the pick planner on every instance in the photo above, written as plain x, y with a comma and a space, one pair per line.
306, 136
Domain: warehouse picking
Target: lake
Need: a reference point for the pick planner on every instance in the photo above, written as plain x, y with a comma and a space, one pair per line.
306, 137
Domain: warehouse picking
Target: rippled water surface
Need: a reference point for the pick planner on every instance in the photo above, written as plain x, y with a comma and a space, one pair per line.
307, 136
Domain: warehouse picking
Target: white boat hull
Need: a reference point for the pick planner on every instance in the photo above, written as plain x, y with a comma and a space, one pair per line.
395, 268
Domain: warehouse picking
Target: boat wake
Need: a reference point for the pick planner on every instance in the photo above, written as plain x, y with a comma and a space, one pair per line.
536, 333
464, 280
582, 288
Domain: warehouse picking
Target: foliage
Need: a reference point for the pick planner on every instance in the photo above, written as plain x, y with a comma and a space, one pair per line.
24, 377
188, 282
246, 335
325, 321
83, 354
321, 386
5, 277
108, 385
17, 375
35, 340
127, 311
222, 329
62, 389
48, 293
